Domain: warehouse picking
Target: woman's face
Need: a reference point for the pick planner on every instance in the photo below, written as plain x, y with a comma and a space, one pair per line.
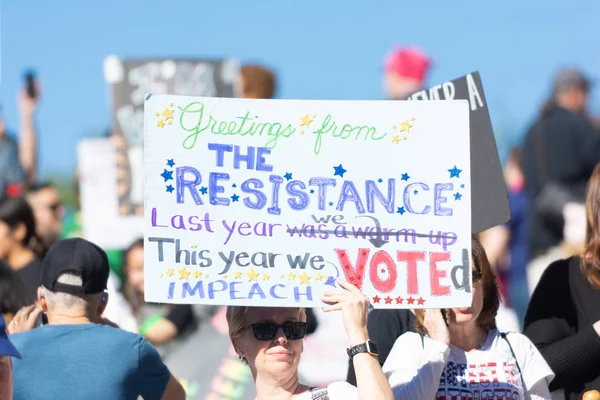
7, 240
135, 268
278, 356
470, 314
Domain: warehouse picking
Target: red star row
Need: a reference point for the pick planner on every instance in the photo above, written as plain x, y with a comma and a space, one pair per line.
399, 300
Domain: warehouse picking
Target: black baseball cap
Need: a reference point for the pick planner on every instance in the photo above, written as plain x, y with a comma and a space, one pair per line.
77, 255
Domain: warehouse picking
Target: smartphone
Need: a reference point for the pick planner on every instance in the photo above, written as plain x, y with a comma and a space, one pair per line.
30, 84
44, 319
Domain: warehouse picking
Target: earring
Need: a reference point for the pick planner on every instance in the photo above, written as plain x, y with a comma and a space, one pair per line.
447, 315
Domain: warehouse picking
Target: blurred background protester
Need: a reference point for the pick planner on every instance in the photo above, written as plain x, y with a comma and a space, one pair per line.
563, 318
257, 82
17, 238
560, 152
48, 210
18, 158
506, 245
163, 325
12, 293
406, 71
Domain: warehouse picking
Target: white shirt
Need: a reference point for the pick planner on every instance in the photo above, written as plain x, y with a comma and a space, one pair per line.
429, 369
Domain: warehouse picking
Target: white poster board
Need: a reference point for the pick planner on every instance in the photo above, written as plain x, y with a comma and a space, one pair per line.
267, 202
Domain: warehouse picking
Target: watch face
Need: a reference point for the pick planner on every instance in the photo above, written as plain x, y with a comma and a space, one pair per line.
372, 347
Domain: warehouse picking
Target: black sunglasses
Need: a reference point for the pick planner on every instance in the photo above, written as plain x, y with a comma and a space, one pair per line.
293, 330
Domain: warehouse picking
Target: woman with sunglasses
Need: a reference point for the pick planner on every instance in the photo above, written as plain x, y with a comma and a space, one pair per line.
269, 340
459, 353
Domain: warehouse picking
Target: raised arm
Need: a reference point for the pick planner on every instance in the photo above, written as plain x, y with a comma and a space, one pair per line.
27, 137
371, 383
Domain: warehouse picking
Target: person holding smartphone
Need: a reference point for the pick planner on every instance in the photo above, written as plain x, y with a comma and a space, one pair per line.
18, 162
463, 355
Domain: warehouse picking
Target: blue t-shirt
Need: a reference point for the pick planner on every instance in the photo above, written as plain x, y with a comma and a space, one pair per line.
87, 361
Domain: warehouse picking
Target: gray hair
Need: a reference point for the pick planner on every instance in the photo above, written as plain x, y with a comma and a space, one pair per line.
67, 301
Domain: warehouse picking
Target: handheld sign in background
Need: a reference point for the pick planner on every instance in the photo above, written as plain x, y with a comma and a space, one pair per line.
267, 202
129, 81
489, 202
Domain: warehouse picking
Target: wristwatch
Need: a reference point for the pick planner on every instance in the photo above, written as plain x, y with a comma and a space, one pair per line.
367, 347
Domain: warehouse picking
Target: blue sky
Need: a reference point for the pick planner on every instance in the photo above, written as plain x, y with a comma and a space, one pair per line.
321, 49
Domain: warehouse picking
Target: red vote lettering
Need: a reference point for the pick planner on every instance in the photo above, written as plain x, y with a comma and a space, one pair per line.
382, 257
354, 274
435, 274
411, 258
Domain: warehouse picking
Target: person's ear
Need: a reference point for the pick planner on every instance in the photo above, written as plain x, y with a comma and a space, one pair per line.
103, 303
19, 232
42, 299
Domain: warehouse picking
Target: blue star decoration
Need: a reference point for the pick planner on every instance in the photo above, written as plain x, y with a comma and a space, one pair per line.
167, 175
287, 176
235, 197
331, 203
234, 186
330, 281
170, 188
203, 190
416, 192
312, 191
170, 163
457, 196
400, 211
339, 170
462, 186
455, 172
379, 180
405, 177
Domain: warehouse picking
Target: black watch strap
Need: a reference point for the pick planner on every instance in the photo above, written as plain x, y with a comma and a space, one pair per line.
367, 347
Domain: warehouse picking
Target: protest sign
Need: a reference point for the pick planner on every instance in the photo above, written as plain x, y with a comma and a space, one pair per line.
489, 200
267, 202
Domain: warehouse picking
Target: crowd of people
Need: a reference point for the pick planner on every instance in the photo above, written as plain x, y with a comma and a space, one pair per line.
75, 324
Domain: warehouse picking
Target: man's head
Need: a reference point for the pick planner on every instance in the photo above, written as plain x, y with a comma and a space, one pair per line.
405, 72
257, 82
570, 89
48, 210
7, 351
74, 279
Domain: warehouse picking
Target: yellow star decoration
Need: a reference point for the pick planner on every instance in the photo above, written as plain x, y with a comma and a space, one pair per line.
282, 276
291, 276
266, 277
319, 277
403, 137
394, 127
314, 115
205, 276
160, 123
405, 127
252, 275
396, 139
170, 272
304, 278
194, 246
168, 114
237, 275
197, 274
224, 276
161, 275
302, 131
157, 114
170, 104
170, 122
412, 118
305, 121
183, 273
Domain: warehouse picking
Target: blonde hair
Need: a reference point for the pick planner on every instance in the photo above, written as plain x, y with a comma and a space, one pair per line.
237, 325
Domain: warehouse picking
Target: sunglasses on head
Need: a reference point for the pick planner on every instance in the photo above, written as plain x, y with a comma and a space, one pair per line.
293, 330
